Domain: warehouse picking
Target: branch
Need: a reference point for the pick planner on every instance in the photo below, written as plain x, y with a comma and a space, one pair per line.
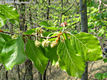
18, 3
75, 23
68, 9
105, 5
29, 35
8, 33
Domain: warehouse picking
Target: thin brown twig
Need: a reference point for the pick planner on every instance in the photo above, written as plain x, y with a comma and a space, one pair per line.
28, 35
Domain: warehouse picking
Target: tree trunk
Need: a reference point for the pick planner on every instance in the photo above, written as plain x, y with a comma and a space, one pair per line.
28, 70
30, 17
28, 64
6, 75
48, 10
61, 11
85, 74
83, 11
44, 75
40, 76
84, 28
22, 17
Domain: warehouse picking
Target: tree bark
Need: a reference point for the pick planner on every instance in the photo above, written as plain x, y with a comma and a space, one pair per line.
40, 76
85, 74
83, 12
30, 17
84, 28
28, 64
28, 70
61, 11
44, 75
48, 10
22, 17
6, 75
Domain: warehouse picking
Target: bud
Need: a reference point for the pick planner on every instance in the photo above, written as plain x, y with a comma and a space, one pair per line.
1, 30
57, 65
14, 36
45, 43
64, 24
53, 44
37, 43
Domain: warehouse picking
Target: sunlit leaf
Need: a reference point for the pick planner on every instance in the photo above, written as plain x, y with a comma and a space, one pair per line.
76, 50
98, 76
12, 53
68, 60
44, 23
92, 45
8, 13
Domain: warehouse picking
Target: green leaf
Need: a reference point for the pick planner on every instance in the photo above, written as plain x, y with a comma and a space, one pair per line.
29, 32
104, 75
105, 60
98, 76
101, 32
68, 60
36, 55
91, 44
2, 22
8, 13
12, 21
44, 23
12, 53
75, 51
54, 28
51, 53
3, 39
46, 33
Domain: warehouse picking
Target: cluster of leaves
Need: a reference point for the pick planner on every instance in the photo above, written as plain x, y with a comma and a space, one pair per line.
71, 52
8, 13
101, 76
55, 11
97, 17
97, 22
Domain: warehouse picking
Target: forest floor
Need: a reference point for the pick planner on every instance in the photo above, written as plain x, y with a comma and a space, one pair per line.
54, 73
94, 67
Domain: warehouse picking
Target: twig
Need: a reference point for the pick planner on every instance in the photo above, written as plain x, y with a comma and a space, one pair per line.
28, 35
68, 9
